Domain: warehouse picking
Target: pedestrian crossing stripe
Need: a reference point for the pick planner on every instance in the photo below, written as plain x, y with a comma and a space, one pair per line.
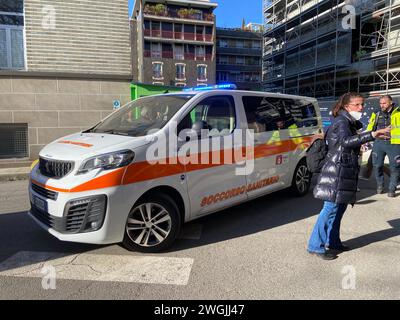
99, 267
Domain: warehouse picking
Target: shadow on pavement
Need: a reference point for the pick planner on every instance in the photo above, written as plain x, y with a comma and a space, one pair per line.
374, 237
18, 232
262, 214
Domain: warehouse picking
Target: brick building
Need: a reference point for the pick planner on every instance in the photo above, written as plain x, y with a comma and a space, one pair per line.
173, 42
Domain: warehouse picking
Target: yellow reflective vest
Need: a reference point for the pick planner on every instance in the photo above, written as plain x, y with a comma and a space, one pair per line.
394, 121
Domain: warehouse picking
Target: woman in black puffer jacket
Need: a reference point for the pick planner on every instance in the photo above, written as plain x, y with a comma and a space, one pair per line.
337, 183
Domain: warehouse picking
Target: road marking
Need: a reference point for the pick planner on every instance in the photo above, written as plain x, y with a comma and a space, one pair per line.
95, 267
191, 231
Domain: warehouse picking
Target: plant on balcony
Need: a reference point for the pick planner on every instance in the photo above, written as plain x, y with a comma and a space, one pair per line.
183, 13
193, 12
148, 9
209, 16
160, 9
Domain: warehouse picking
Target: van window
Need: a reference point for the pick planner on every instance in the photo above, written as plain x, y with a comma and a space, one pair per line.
217, 112
302, 111
140, 116
266, 113
271, 113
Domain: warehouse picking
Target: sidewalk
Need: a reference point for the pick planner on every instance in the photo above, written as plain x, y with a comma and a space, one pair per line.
12, 174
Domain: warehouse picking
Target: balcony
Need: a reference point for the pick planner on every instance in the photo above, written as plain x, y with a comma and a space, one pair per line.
159, 34
240, 67
176, 56
243, 51
182, 14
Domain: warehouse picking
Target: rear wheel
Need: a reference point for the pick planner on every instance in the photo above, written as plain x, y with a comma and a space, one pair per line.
301, 179
152, 225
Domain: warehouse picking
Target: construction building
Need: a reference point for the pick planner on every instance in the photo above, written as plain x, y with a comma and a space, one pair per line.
324, 48
173, 42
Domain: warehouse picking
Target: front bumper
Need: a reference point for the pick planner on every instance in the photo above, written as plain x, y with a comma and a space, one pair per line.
53, 218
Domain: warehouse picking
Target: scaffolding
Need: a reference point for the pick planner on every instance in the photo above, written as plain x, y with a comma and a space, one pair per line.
305, 47
380, 44
307, 51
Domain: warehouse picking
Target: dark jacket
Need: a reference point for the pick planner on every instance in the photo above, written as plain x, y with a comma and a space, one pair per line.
339, 176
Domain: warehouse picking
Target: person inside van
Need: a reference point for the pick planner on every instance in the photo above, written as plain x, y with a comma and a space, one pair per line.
337, 183
252, 121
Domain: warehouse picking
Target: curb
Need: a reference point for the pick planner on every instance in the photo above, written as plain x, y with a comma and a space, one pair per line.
14, 176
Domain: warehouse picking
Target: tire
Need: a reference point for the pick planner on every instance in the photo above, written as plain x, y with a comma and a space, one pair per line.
148, 235
301, 181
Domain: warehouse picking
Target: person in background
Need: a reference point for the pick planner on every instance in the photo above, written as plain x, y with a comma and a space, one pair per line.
389, 115
337, 183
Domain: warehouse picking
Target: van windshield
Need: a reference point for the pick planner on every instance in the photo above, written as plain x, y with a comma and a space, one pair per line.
139, 117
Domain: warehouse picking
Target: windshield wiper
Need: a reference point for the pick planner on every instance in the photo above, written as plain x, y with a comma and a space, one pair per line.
112, 131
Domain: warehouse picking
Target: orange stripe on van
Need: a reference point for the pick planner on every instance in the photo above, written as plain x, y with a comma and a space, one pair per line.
81, 144
143, 171
48, 187
108, 180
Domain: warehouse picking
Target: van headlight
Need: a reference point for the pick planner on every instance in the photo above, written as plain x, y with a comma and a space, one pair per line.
107, 161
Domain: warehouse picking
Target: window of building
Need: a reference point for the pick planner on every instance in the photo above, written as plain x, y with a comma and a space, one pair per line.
167, 51
158, 70
158, 83
180, 84
257, 44
222, 76
239, 44
223, 43
178, 28
199, 33
202, 72
156, 51
223, 60
156, 29
12, 45
179, 52
180, 71
240, 60
200, 52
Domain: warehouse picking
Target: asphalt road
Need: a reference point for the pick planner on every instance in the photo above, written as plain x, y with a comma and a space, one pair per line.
253, 251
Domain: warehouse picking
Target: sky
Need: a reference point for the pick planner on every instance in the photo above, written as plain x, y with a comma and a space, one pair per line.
230, 13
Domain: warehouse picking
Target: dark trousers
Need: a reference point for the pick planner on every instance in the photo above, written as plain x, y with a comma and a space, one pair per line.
379, 152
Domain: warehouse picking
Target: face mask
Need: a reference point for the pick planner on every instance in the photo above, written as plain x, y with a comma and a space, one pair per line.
356, 115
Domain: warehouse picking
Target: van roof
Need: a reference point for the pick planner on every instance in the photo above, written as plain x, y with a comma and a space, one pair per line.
257, 93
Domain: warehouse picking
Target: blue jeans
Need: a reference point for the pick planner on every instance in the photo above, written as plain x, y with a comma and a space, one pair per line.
379, 152
327, 229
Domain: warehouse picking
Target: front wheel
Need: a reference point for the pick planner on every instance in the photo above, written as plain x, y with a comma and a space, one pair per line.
301, 179
152, 225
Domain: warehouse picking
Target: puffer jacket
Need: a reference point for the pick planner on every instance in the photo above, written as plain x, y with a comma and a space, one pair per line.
339, 176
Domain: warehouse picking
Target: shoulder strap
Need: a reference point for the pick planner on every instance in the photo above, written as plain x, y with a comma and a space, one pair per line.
376, 121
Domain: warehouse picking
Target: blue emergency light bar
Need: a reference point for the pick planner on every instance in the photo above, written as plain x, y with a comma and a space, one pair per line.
228, 86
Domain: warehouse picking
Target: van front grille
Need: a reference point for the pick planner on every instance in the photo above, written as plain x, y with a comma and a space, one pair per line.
52, 195
55, 168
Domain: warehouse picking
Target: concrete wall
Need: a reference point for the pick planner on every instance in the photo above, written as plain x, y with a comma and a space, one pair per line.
73, 36
55, 107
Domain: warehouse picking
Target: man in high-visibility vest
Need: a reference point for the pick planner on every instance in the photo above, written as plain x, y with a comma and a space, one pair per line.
389, 115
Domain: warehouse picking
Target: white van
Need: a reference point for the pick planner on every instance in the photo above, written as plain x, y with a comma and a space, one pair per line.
116, 183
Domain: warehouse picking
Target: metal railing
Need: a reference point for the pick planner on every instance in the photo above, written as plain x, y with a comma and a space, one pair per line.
178, 35
176, 56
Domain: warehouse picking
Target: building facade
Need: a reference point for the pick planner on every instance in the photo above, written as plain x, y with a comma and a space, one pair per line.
62, 65
173, 42
324, 48
239, 56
